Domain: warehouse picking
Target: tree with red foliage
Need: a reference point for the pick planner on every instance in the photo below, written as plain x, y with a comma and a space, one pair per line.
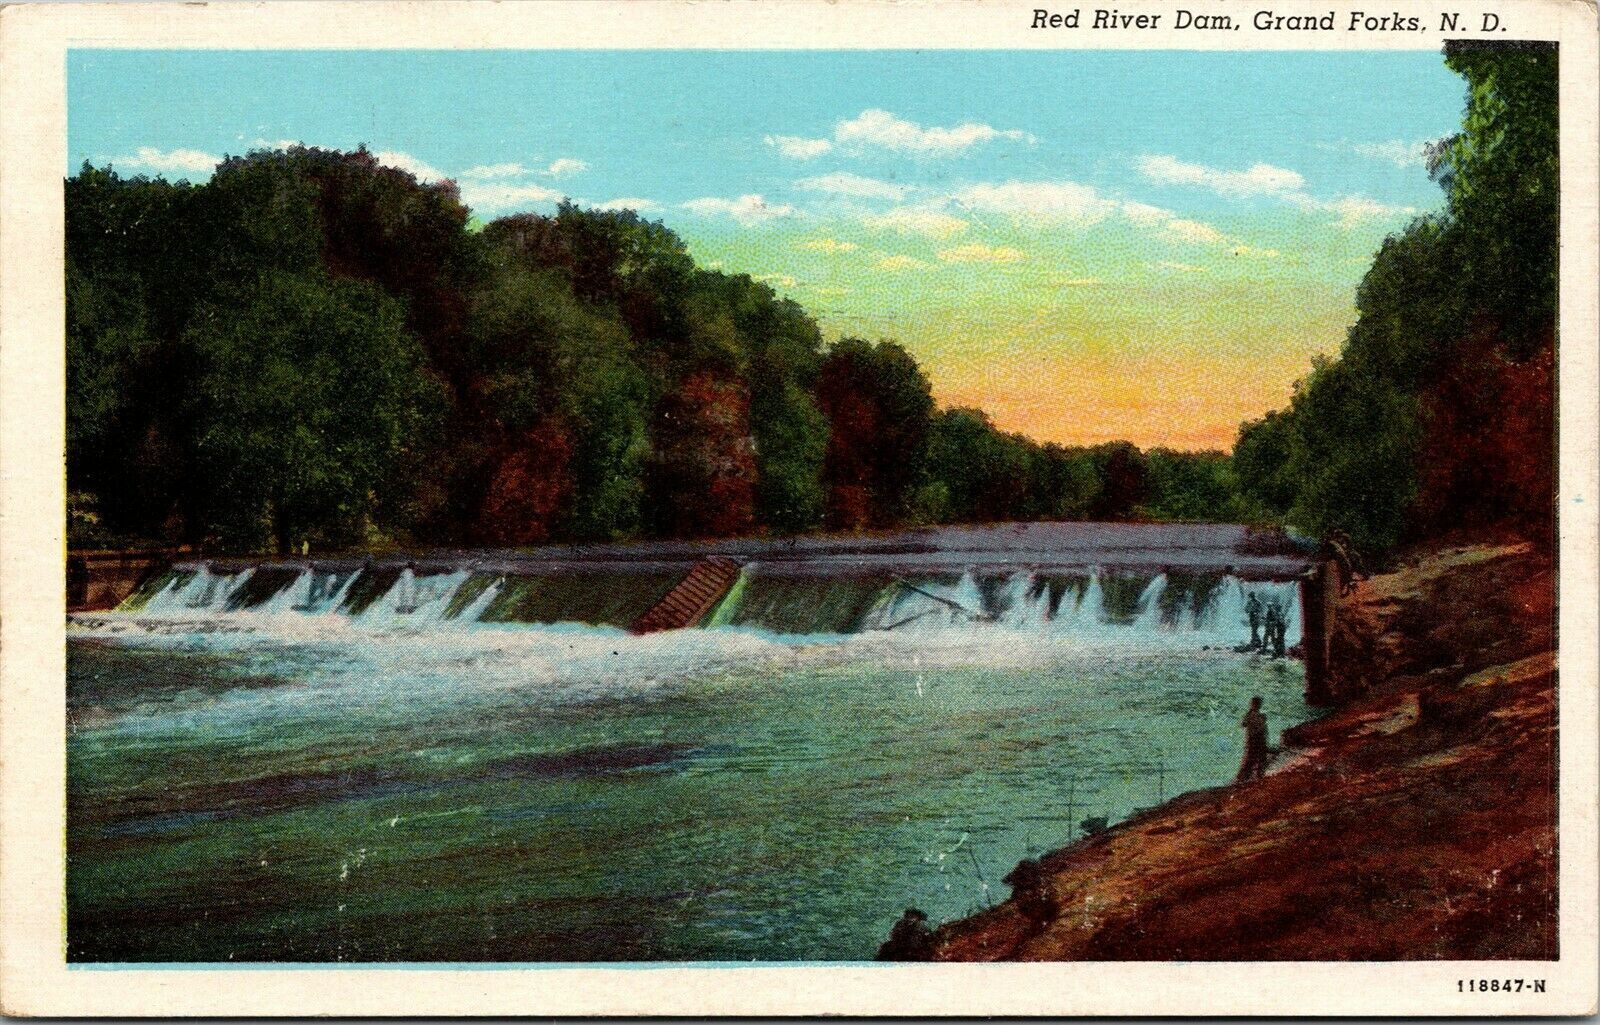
1488, 450
529, 491
880, 410
703, 472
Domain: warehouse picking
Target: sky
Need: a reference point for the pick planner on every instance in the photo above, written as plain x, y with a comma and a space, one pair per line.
1088, 245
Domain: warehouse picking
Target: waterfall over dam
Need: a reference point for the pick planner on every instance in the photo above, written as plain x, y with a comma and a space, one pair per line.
1093, 581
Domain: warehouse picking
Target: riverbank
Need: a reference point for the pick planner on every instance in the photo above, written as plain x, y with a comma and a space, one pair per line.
1417, 821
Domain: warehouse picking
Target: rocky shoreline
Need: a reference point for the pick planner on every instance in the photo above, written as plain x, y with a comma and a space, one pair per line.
1416, 821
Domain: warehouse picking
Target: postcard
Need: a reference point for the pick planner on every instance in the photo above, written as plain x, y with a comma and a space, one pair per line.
802, 508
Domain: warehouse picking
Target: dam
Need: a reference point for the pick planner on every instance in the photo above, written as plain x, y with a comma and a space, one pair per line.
1062, 576
675, 751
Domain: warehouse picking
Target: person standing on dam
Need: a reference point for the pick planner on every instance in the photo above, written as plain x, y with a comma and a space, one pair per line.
1273, 643
1255, 742
1252, 609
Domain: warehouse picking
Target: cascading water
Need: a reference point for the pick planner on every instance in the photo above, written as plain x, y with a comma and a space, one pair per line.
1148, 615
1090, 610
202, 590
414, 598
1089, 607
473, 611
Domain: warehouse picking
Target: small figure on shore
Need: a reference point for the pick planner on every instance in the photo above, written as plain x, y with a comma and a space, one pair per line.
1255, 742
1275, 632
910, 940
1252, 608
1028, 889
1337, 547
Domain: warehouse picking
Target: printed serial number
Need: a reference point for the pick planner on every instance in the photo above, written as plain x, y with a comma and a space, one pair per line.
1499, 985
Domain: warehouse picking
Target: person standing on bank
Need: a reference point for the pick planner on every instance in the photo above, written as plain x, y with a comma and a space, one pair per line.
1255, 742
910, 940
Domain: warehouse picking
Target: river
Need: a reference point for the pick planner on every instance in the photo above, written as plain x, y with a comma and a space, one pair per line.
281, 765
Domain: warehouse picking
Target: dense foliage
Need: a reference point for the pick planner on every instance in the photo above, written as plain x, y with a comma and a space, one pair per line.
315, 348
1439, 412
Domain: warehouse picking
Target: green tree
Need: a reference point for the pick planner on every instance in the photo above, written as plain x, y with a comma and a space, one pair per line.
1124, 483
983, 475
1444, 386
1191, 486
880, 408
1261, 462
1502, 177
307, 394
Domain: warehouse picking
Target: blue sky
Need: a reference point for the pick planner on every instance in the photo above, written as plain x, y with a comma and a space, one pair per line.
1113, 213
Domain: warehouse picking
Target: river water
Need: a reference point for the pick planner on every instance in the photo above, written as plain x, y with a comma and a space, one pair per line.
302, 766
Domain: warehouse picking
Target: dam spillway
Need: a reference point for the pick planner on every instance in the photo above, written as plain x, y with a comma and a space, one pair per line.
1089, 581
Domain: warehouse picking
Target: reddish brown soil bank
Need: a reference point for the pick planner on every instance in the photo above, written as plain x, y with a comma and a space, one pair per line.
1417, 821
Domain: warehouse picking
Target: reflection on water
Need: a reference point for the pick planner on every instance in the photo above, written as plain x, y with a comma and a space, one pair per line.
288, 782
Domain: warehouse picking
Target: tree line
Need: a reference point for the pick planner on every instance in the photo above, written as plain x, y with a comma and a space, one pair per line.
313, 347
1439, 413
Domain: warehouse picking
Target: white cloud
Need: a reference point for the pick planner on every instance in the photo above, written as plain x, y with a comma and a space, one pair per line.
977, 252
1056, 201
1240, 249
1073, 204
881, 129
797, 148
916, 221
781, 280
565, 167
1145, 215
749, 209
634, 203
829, 245
1079, 282
170, 161
1195, 231
899, 263
406, 162
1396, 152
1259, 180
495, 198
844, 183
1266, 180
1354, 211
510, 170
562, 168
1186, 268
1399, 152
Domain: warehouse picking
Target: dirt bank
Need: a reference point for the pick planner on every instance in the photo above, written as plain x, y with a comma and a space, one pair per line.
1416, 821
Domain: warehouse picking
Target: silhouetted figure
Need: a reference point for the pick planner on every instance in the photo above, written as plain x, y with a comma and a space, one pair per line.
1028, 889
1275, 631
910, 940
1252, 608
1255, 742
1337, 546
